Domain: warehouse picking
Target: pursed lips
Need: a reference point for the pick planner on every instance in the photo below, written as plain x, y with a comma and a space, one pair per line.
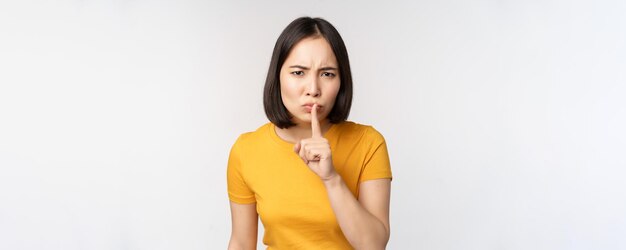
310, 105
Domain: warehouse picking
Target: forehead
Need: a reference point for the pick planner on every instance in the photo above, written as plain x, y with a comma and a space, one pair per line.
312, 50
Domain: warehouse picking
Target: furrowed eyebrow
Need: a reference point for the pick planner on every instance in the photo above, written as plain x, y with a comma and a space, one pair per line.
306, 68
328, 68
298, 67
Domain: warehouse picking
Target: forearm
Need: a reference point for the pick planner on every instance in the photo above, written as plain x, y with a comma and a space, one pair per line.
362, 229
244, 226
236, 245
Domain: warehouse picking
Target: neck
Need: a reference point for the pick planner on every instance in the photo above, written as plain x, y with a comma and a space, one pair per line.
300, 131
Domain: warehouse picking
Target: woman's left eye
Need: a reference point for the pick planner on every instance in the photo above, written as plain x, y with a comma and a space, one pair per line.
328, 74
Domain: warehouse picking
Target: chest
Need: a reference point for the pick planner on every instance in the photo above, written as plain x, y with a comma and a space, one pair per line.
288, 192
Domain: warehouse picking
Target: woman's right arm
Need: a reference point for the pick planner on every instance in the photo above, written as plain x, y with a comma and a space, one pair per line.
244, 226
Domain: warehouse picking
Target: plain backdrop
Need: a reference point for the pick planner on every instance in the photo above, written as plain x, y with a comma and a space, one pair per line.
505, 120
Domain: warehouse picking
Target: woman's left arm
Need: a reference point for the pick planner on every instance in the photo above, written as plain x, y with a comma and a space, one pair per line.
364, 222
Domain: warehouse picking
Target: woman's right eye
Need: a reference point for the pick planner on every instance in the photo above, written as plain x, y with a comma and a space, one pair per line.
298, 73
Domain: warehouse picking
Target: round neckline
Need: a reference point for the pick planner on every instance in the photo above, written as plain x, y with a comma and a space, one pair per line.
288, 145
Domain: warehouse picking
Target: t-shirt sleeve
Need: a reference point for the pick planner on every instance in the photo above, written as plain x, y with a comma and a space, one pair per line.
238, 190
377, 165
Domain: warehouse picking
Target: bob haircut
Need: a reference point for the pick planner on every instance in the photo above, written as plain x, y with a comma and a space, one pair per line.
305, 27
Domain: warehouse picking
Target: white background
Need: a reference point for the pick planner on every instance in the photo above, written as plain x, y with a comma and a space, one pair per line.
505, 120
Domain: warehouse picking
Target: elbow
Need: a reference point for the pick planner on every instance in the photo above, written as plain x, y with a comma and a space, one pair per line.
238, 245
371, 245
376, 241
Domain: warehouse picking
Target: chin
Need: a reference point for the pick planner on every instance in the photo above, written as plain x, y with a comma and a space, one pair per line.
301, 119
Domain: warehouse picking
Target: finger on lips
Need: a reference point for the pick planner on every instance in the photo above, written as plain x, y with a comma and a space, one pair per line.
310, 149
316, 131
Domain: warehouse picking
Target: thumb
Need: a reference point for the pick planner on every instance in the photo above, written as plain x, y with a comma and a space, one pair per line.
296, 148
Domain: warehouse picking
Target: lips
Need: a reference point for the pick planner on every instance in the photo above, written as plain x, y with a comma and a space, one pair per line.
309, 106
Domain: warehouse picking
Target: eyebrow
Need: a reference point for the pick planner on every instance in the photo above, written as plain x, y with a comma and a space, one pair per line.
306, 68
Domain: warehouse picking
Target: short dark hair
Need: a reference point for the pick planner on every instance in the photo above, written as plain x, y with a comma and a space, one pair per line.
305, 27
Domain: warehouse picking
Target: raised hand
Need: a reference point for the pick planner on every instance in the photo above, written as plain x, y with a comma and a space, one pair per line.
315, 151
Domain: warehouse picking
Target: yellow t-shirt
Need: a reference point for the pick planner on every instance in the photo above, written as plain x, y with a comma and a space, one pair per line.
290, 199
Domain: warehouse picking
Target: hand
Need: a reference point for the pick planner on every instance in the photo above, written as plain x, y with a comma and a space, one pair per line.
315, 151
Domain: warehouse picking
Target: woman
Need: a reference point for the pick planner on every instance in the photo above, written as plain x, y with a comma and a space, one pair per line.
316, 180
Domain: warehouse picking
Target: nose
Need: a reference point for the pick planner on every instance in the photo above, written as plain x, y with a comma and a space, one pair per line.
313, 89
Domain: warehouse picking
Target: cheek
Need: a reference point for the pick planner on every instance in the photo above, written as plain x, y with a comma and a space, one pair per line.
287, 90
335, 90
284, 87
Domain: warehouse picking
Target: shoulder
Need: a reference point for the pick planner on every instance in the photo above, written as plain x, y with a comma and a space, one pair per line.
249, 138
363, 132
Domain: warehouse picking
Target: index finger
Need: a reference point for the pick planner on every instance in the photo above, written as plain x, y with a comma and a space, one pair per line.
316, 131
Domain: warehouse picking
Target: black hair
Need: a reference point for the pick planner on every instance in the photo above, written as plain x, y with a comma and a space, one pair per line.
305, 27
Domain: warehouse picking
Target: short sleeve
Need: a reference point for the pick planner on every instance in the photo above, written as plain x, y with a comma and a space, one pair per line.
238, 191
377, 165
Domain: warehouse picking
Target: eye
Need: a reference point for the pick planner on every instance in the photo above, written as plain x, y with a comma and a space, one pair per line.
328, 74
298, 73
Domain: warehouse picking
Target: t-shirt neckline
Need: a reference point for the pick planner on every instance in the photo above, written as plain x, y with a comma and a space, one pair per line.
288, 145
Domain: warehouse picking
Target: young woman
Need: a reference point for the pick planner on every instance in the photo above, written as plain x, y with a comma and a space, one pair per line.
316, 180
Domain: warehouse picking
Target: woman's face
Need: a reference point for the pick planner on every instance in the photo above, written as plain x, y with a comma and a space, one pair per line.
309, 75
